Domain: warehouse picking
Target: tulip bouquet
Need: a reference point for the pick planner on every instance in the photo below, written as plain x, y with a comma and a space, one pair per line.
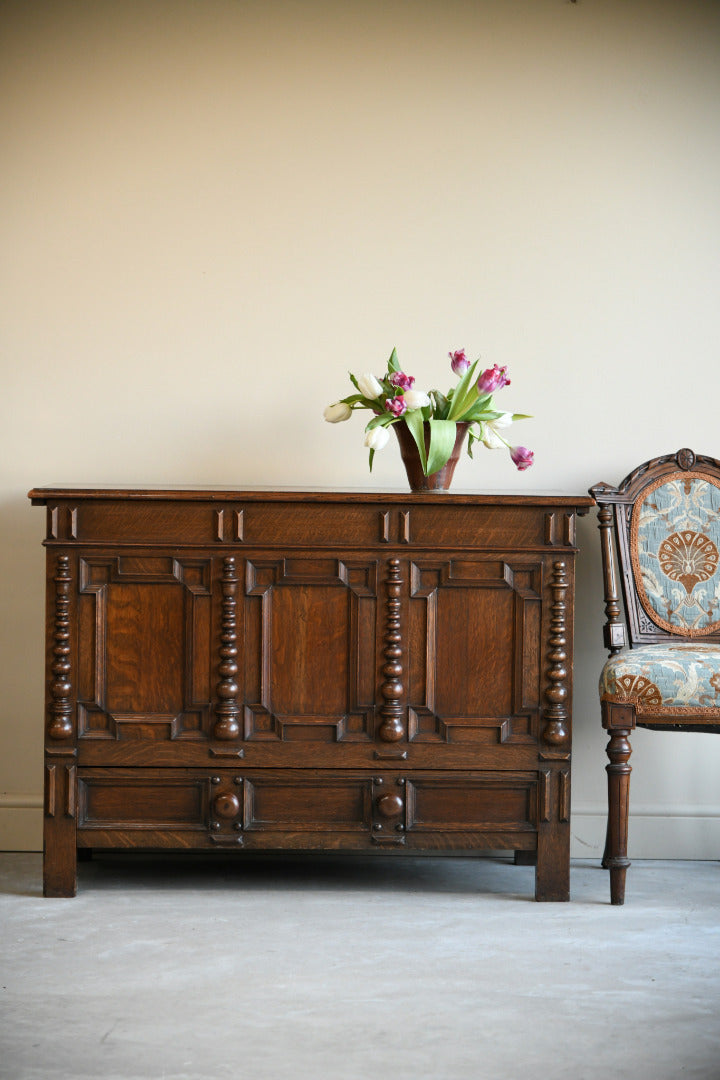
393, 399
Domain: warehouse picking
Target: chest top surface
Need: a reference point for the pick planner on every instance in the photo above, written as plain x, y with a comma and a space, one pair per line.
201, 516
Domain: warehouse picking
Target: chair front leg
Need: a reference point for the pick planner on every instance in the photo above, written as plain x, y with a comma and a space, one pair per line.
606, 853
619, 721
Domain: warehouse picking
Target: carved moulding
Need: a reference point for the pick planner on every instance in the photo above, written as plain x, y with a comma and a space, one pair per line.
227, 711
556, 731
348, 712
103, 709
60, 722
392, 689
545, 800
60, 790
519, 586
226, 805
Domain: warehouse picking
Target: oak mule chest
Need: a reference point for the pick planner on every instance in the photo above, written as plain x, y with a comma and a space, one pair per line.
308, 671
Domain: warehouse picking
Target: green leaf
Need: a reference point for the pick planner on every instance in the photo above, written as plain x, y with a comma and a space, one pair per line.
442, 441
479, 411
393, 362
385, 420
475, 432
465, 395
441, 405
416, 426
366, 403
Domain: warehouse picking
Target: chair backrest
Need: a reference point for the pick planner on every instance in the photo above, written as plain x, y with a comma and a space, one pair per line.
665, 519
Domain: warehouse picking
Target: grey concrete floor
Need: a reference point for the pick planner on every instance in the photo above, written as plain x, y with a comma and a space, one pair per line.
350, 968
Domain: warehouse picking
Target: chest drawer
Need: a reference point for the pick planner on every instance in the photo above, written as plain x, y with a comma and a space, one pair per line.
302, 808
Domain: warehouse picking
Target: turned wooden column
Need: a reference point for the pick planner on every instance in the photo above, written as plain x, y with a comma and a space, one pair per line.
60, 799
619, 721
392, 690
227, 709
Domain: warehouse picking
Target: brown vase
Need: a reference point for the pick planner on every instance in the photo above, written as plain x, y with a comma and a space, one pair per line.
437, 481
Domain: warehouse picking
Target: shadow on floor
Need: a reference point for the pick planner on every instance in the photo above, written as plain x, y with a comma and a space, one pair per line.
458, 875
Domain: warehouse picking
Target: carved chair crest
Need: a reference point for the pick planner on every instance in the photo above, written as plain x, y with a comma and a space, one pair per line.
665, 516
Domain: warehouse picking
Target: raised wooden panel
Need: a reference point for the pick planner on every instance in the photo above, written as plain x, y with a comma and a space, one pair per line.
120, 523
310, 628
490, 527
307, 803
145, 669
474, 645
119, 799
289, 525
451, 804
145, 633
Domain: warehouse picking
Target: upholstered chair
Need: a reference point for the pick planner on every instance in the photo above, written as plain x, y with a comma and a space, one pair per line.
660, 533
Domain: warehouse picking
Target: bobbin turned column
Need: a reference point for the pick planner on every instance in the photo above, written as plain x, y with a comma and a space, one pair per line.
60, 800
227, 711
392, 690
552, 876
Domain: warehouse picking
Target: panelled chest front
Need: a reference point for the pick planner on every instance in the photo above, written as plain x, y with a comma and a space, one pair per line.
320, 671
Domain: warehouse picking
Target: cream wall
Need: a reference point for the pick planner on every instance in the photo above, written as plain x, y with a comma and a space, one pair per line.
211, 209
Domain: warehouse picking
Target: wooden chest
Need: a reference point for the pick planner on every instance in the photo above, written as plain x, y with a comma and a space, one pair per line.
308, 670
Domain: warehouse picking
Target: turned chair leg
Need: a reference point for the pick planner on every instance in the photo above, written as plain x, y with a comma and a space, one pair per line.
615, 858
606, 850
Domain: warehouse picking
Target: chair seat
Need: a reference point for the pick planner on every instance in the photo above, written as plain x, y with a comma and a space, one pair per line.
664, 680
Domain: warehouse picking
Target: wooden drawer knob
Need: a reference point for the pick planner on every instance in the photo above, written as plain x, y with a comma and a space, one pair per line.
226, 805
389, 805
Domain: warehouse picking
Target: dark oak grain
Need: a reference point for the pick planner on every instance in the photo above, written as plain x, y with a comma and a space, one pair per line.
287, 670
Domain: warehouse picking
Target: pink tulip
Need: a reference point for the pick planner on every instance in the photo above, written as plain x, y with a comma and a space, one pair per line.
402, 381
522, 457
493, 379
459, 361
396, 405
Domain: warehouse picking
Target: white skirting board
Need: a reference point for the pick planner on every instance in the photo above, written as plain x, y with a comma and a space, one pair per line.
691, 832
21, 822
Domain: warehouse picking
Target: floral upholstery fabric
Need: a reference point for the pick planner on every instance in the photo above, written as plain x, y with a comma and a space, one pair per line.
664, 679
675, 549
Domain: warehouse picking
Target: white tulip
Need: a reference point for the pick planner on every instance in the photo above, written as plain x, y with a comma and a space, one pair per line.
369, 386
335, 414
416, 399
377, 438
505, 419
491, 438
